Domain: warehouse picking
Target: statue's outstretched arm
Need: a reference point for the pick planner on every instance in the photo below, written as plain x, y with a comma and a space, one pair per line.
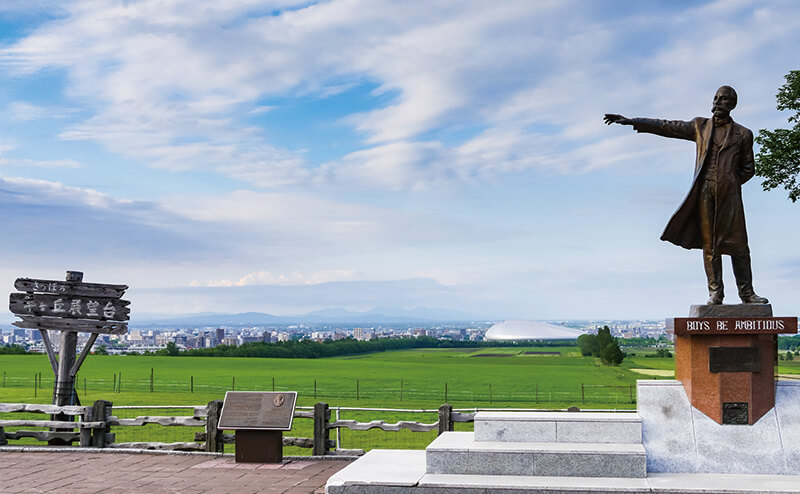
676, 129
611, 118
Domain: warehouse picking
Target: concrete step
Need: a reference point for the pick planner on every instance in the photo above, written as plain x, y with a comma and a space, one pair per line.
485, 484
459, 453
403, 472
563, 427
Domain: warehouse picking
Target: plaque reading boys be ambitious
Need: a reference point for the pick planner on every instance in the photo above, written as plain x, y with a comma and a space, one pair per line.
258, 410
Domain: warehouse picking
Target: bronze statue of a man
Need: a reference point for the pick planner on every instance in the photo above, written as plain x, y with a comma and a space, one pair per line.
711, 217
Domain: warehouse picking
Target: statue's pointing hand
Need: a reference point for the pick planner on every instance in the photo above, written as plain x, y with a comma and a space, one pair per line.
611, 118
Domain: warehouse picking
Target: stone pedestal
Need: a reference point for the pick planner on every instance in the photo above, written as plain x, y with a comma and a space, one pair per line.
727, 375
680, 439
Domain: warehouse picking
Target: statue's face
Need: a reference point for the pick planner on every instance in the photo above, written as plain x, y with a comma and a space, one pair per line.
724, 102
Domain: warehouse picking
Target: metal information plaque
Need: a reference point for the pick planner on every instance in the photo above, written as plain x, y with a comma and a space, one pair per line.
734, 359
258, 410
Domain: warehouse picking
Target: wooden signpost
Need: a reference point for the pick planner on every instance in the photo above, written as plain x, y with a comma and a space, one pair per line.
258, 417
69, 306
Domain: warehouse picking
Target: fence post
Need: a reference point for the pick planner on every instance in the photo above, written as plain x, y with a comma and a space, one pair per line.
445, 416
3, 440
583, 396
630, 390
214, 442
86, 433
358, 390
101, 411
322, 415
191, 384
445, 392
151, 379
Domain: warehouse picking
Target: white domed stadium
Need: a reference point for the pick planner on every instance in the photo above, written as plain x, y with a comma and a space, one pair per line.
530, 330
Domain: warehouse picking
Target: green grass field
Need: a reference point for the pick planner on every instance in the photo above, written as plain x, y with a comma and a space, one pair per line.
400, 379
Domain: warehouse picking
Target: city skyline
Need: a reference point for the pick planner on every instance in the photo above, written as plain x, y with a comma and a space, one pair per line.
285, 157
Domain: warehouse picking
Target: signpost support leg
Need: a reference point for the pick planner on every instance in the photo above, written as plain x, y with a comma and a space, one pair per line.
49, 348
86, 349
66, 359
64, 388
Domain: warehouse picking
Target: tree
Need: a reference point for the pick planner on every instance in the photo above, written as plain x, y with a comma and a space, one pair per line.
172, 349
607, 348
778, 160
789, 356
587, 343
101, 350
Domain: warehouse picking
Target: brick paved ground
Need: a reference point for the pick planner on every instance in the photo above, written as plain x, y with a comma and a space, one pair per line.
67, 473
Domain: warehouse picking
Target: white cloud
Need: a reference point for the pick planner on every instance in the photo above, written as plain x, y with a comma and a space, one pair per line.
290, 278
523, 85
56, 193
67, 163
20, 111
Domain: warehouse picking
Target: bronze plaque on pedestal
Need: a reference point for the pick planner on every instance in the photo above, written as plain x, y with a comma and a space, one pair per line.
734, 359
735, 413
688, 326
258, 410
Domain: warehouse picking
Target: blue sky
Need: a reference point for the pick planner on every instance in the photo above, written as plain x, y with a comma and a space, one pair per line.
437, 154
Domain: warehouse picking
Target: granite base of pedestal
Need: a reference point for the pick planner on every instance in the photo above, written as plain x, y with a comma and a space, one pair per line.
679, 438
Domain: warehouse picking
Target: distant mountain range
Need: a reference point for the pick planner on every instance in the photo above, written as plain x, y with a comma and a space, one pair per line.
378, 315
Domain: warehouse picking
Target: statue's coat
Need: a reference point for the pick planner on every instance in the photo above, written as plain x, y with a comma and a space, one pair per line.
735, 166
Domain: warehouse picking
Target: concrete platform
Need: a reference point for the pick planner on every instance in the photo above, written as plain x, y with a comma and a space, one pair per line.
460, 453
403, 472
567, 427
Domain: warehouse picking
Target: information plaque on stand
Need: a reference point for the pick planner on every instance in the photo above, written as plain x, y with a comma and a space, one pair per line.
258, 419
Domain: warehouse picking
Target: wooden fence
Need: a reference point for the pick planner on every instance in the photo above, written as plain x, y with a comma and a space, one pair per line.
93, 427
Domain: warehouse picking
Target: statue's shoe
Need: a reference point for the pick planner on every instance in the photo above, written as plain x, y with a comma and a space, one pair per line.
753, 299
715, 298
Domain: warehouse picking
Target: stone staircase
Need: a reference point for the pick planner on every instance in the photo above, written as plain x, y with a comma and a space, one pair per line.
592, 452
520, 452
543, 444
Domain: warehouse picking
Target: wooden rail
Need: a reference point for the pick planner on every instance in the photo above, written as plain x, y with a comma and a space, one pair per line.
167, 421
94, 425
380, 424
48, 409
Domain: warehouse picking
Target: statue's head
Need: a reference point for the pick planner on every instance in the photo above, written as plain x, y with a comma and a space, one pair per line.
724, 101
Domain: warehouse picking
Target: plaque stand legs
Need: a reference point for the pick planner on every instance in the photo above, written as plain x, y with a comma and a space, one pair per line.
258, 446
